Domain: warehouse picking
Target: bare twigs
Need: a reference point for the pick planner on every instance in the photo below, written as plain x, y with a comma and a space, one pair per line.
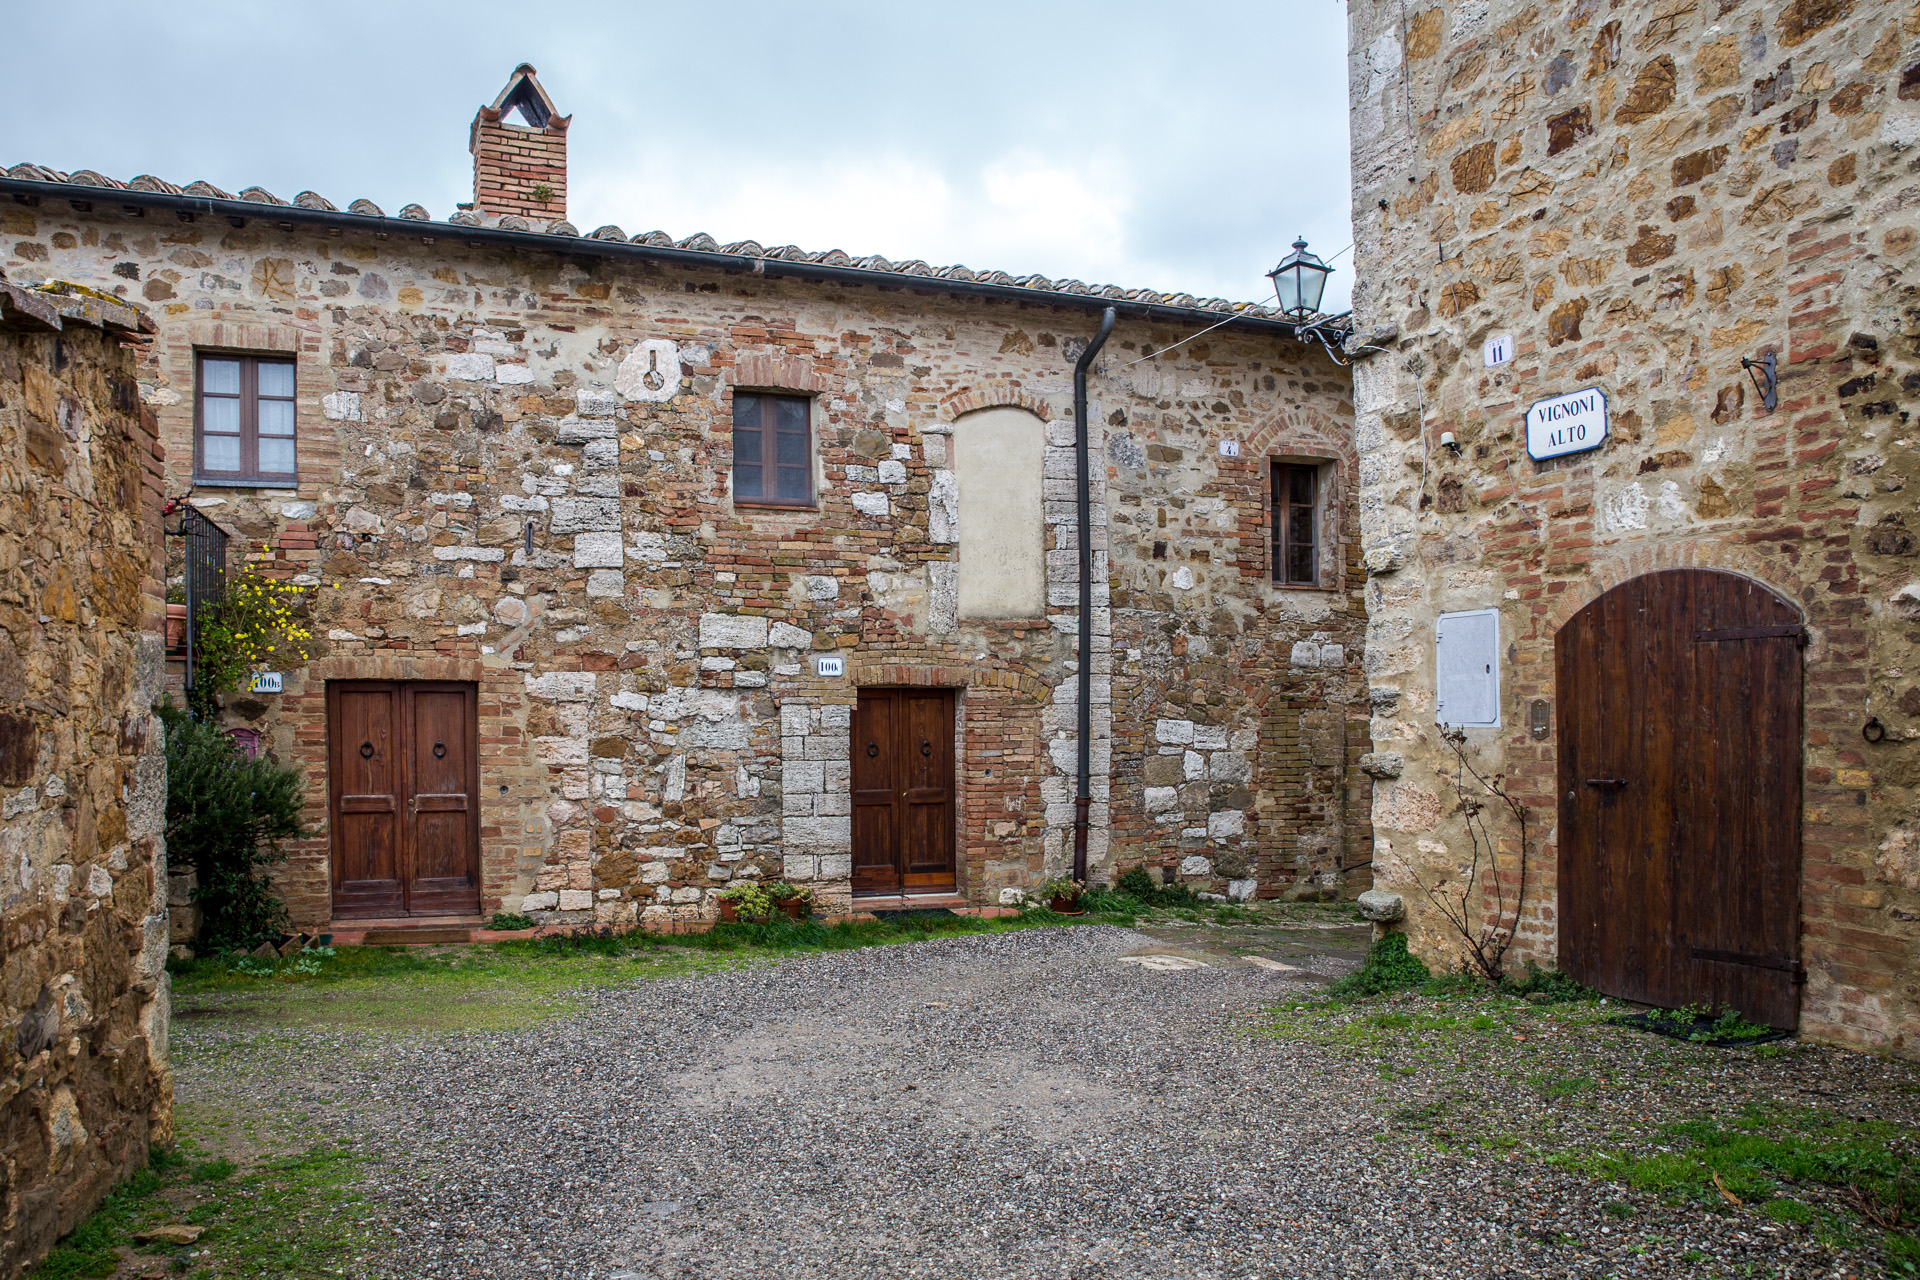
1487, 935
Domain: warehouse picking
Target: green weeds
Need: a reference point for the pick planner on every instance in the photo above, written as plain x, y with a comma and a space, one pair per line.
292, 1218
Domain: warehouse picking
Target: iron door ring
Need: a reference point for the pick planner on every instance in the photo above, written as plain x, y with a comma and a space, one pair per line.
873, 748
439, 751
366, 751
926, 748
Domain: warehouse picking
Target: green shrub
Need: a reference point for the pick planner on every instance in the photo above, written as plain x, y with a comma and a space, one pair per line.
1139, 884
226, 818
509, 921
1388, 968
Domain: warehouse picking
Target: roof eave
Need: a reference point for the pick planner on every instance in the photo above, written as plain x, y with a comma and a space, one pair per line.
537, 241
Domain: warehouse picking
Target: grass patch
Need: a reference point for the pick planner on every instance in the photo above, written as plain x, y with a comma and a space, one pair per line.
1389, 967
505, 985
297, 1217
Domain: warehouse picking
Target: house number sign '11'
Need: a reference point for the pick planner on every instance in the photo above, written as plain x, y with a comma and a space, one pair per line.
1569, 423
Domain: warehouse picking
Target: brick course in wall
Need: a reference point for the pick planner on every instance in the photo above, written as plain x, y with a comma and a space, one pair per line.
1642, 197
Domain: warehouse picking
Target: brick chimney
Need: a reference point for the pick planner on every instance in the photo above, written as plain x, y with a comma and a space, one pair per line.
519, 147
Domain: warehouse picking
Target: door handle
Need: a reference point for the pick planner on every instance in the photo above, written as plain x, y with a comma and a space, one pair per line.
1606, 782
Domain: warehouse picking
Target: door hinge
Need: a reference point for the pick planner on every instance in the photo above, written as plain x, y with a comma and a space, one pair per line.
1793, 632
1781, 963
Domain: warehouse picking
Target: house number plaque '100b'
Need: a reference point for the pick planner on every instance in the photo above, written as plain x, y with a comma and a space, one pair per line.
1563, 424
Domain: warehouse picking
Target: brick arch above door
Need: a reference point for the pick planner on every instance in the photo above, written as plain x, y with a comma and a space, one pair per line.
862, 674
995, 395
1634, 560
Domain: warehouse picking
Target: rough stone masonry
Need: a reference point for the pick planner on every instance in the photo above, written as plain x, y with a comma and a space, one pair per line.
515, 469
84, 1085
1642, 195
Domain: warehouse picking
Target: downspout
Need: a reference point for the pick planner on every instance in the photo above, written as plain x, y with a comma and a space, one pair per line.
1084, 497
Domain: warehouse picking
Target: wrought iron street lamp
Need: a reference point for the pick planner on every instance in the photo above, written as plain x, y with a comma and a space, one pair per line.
1299, 281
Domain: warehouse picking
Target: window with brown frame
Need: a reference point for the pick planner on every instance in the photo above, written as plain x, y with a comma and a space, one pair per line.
1296, 543
243, 419
772, 450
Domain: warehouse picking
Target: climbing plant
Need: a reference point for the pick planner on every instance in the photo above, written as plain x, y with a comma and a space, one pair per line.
259, 622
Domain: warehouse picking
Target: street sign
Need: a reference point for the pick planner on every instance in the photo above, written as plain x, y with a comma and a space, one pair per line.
1498, 350
1569, 423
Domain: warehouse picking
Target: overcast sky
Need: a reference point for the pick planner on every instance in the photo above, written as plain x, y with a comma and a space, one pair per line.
1174, 146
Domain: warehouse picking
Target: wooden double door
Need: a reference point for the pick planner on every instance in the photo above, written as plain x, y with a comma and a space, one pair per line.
404, 783
1680, 781
903, 795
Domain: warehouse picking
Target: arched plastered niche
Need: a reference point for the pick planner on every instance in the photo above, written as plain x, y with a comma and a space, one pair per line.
999, 466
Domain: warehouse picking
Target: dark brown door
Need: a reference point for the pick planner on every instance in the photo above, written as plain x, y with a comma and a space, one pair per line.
405, 787
1680, 780
903, 811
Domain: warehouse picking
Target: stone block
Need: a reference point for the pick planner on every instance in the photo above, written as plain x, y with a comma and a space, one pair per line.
547, 901
784, 635
1173, 732
608, 584
572, 430
598, 550
1382, 764
584, 515
1305, 655
1226, 824
799, 867
1380, 906
1195, 865
484, 555
1161, 799
1193, 765
836, 866
469, 366
561, 686
1229, 766
1164, 771
1242, 890
872, 504
732, 631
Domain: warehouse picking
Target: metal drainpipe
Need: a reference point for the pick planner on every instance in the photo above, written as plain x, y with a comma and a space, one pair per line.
1084, 497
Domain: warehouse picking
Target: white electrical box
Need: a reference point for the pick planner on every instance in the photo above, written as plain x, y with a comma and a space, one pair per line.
1467, 665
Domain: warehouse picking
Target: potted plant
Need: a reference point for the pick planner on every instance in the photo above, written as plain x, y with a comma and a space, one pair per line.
1062, 895
793, 899
744, 900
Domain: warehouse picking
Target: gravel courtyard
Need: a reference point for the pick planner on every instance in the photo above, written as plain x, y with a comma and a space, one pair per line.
1050, 1102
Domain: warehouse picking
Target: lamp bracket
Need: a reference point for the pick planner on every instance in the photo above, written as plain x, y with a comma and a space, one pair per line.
1765, 375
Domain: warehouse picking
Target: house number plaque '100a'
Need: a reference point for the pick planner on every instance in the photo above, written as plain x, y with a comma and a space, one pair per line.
1569, 423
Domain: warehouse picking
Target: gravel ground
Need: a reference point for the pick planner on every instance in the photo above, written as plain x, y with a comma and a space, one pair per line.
1013, 1105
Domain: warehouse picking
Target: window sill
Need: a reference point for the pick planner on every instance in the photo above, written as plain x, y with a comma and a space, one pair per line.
761, 504
288, 483
1304, 586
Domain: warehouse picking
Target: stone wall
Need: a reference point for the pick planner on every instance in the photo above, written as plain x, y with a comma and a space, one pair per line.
84, 1085
493, 489
1642, 196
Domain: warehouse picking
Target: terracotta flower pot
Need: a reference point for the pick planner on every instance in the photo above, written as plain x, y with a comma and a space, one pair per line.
176, 626
1066, 906
796, 908
727, 912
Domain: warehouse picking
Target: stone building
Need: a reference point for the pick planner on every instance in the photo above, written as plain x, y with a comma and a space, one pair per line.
84, 1085
1687, 639
644, 564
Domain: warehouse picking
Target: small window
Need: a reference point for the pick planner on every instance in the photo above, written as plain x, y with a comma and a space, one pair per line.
1296, 541
243, 419
772, 450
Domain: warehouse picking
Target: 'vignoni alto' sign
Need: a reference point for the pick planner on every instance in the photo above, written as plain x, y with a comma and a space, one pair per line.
1569, 423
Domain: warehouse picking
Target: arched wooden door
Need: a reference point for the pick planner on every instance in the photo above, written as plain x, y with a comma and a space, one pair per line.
1679, 773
